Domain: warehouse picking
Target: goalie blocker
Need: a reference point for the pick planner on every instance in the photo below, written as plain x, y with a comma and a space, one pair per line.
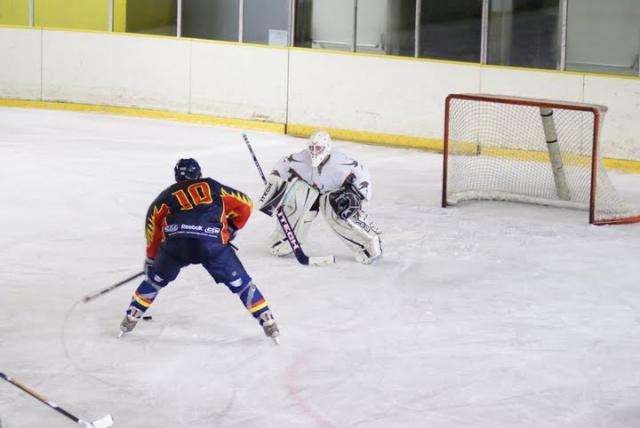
341, 209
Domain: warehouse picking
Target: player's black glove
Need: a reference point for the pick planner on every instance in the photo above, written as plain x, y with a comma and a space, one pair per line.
233, 230
148, 261
346, 201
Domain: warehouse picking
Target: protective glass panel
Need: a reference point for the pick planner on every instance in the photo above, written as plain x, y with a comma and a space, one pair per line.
14, 12
266, 22
451, 30
374, 18
148, 17
524, 33
325, 24
211, 19
603, 36
72, 14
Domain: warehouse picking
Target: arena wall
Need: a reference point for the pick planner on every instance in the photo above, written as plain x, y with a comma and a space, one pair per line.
360, 97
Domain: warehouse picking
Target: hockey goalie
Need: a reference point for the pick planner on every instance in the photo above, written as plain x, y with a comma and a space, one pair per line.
319, 179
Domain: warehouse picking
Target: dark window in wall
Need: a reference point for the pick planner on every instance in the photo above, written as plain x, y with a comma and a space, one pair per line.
151, 17
266, 22
451, 30
211, 19
400, 34
302, 32
524, 33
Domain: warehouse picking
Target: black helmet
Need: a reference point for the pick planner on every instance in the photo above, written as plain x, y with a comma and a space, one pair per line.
187, 169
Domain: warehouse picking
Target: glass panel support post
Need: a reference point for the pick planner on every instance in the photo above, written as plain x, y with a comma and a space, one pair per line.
484, 32
416, 46
354, 39
31, 13
291, 23
240, 21
110, 16
564, 8
179, 18
637, 64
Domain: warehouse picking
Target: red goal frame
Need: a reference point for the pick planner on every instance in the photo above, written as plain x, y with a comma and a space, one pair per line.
597, 111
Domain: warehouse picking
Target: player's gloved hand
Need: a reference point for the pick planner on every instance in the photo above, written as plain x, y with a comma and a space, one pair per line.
148, 261
233, 231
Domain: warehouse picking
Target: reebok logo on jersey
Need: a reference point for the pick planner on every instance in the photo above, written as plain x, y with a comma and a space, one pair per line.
191, 227
171, 228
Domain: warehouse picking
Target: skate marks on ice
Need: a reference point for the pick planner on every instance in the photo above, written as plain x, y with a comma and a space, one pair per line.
150, 365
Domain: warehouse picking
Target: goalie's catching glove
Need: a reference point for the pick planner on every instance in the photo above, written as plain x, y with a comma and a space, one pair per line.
346, 201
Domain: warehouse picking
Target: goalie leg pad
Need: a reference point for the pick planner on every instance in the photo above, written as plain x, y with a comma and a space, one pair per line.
298, 205
358, 232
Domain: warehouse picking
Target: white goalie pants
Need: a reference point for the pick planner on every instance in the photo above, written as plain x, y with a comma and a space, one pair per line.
301, 204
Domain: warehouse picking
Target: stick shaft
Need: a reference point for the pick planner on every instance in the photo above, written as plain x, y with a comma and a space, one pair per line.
111, 287
255, 159
40, 398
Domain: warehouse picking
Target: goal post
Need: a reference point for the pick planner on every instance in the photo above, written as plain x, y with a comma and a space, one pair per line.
529, 150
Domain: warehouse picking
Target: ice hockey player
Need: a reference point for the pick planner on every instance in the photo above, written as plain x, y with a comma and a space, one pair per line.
192, 222
321, 179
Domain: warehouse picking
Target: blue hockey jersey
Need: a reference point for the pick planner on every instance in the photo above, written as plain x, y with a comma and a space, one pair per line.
200, 209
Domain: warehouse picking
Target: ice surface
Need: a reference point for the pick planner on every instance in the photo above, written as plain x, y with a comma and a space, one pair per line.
486, 314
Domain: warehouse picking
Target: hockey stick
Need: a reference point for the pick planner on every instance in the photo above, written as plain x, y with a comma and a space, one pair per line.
286, 226
103, 422
90, 297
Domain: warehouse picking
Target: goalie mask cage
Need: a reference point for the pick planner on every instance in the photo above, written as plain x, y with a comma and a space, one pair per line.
529, 150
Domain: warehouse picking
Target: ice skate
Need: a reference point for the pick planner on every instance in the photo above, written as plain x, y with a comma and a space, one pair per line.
130, 321
269, 326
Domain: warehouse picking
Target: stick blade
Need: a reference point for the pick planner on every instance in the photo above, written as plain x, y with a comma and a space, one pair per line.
322, 260
103, 422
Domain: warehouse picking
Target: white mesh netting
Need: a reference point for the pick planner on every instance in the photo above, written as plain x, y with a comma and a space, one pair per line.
498, 150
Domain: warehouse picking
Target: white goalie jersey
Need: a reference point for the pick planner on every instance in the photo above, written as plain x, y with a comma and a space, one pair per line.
332, 175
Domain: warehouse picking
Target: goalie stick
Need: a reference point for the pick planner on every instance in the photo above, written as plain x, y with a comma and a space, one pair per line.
90, 297
283, 221
103, 422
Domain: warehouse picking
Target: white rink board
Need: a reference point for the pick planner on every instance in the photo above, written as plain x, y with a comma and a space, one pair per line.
622, 126
532, 84
20, 52
373, 93
118, 70
248, 82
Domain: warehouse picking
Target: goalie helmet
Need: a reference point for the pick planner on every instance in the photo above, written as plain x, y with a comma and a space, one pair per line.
319, 147
187, 169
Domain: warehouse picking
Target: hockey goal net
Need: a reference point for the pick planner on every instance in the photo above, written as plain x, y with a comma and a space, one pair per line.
529, 150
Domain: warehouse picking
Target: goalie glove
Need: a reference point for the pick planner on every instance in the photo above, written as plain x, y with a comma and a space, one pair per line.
346, 201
